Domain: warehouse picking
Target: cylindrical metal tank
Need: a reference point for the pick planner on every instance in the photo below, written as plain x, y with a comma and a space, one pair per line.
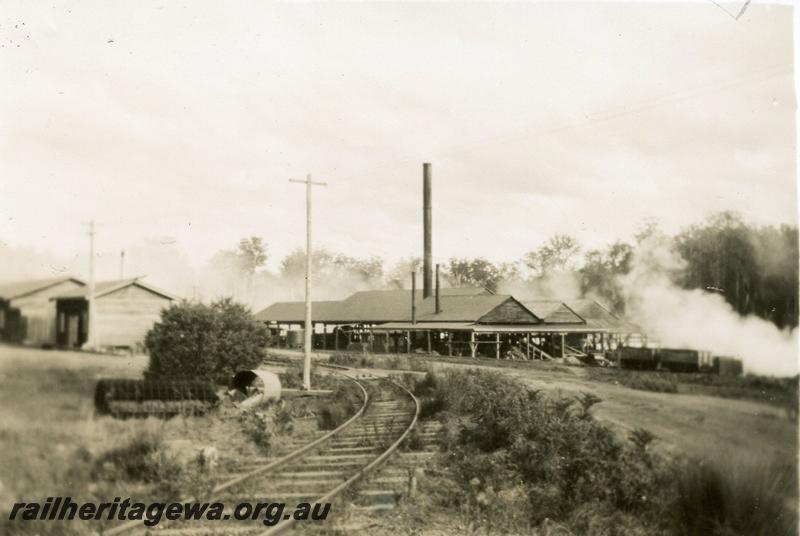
294, 338
259, 386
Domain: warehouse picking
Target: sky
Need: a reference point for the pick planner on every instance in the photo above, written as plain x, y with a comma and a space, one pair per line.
178, 125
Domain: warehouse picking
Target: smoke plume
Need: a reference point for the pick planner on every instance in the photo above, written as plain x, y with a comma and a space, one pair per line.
560, 285
701, 320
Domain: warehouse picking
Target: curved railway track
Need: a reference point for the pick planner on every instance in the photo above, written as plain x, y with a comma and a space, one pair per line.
316, 472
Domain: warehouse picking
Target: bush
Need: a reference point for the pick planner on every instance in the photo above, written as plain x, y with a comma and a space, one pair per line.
735, 497
259, 428
346, 400
504, 441
210, 342
142, 459
553, 448
645, 381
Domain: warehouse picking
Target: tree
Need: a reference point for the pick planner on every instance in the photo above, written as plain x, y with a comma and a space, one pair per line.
368, 270
474, 272
720, 257
293, 266
327, 265
558, 254
238, 267
601, 270
252, 253
210, 342
755, 269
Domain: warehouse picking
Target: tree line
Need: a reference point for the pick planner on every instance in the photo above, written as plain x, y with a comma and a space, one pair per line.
755, 268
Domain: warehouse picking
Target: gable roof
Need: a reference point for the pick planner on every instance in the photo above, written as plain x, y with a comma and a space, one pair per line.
18, 289
377, 306
597, 316
472, 309
107, 287
553, 311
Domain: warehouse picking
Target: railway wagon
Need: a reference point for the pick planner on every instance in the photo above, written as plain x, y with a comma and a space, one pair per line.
726, 366
637, 358
684, 360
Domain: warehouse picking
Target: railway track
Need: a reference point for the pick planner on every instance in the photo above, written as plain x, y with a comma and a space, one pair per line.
317, 472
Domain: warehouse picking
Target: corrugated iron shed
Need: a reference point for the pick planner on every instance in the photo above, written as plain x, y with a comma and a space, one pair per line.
18, 289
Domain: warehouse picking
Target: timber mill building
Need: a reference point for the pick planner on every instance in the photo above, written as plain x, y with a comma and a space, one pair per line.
460, 322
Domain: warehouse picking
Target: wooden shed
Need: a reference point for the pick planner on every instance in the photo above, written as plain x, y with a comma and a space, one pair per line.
27, 314
124, 312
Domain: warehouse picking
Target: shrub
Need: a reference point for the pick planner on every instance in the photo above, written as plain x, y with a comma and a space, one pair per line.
142, 459
502, 438
735, 497
211, 342
342, 405
553, 447
292, 376
650, 381
258, 427
432, 400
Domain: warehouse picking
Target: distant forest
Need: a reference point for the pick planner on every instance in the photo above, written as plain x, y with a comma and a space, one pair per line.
755, 268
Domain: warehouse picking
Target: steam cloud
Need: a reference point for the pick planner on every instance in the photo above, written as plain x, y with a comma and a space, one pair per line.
701, 320
559, 285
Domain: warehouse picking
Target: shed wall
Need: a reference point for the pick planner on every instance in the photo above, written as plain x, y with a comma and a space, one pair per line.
124, 317
38, 314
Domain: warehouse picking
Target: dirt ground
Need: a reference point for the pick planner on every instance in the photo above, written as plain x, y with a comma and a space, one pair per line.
696, 425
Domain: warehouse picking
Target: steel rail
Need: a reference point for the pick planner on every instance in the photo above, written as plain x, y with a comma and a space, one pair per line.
131, 525
286, 524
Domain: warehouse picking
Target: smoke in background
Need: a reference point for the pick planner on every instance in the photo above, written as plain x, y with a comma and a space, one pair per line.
561, 285
699, 319
17, 264
161, 262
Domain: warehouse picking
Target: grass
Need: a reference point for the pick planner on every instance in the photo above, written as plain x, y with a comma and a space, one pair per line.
380, 361
422, 362
736, 496
781, 392
524, 463
53, 444
645, 381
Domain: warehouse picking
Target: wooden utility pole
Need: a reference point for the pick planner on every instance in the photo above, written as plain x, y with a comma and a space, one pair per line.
308, 327
122, 265
91, 341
